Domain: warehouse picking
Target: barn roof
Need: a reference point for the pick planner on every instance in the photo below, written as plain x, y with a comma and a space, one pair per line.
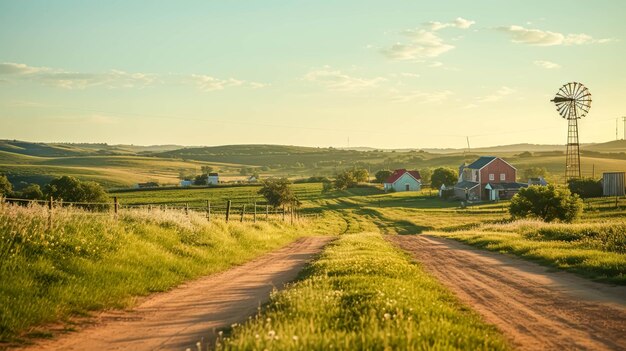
466, 184
399, 173
481, 162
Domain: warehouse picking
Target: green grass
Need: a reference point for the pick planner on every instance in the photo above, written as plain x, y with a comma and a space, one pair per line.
593, 249
218, 196
88, 261
362, 294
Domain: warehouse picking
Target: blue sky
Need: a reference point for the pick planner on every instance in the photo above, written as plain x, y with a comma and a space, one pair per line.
383, 74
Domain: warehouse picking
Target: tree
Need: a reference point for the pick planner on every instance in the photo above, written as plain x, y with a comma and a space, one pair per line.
382, 175
534, 172
32, 192
206, 169
6, 188
278, 192
70, 189
585, 187
202, 179
548, 203
426, 174
441, 176
361, 175
345, 179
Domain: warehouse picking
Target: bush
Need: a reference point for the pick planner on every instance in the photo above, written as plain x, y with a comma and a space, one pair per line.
441, 176
32, 192
585, 187
548, 203
350, 178
534, 172
70, 189
6, 188
278, 192
382, 175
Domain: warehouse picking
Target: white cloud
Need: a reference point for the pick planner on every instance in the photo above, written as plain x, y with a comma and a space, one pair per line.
424, 44
18, 68
422, 97
459, 22
497, 95
540, 37
111, 79
339, 81
409, 75
546, 64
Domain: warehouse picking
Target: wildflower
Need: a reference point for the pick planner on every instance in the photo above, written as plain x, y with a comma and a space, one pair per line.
387, 315
295, 338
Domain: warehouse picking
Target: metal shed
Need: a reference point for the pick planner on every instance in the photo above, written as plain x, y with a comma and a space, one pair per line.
613, 184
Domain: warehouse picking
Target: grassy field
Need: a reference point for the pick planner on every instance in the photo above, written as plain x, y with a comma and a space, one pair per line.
87, 261
362, 294
216, 195
125, 165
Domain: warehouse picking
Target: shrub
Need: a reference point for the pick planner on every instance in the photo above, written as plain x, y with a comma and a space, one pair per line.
32, 192
71, 189
382, 175
278, 192
585, 187
6, 188
350, 178
548, 203
441, 176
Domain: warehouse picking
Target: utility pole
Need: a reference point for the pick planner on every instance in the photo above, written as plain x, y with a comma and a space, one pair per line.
624, 119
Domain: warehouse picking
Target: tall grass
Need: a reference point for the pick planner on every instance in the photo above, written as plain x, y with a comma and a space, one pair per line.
362, 294
83, 261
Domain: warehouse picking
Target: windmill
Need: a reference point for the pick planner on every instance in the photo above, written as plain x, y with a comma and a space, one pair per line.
572, 101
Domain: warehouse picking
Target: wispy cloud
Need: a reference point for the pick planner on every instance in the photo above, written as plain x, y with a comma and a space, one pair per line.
424, 43
112, 79
423, 97
338, 81
538, 37
459, 22
546, 64
497, 95
209, 83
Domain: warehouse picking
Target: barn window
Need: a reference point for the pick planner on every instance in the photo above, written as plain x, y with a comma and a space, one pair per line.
492, 176
502, 176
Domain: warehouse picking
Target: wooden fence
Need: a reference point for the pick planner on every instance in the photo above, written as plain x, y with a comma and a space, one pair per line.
230, 212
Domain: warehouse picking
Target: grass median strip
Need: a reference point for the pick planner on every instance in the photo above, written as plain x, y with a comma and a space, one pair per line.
364, 294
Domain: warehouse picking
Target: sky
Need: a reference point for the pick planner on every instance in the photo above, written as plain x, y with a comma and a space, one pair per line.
385, 74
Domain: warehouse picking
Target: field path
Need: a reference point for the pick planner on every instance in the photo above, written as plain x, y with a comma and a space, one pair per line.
536, 308
179, 318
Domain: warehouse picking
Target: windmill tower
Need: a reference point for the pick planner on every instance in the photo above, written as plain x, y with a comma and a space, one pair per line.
573, 102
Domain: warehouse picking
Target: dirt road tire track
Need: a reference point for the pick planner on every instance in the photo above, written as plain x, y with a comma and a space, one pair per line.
536, 308
177, 319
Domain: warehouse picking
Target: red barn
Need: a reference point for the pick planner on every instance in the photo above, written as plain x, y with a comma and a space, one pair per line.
489, 178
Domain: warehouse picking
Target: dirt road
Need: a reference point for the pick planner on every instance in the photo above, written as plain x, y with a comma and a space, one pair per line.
538, 309
179, 318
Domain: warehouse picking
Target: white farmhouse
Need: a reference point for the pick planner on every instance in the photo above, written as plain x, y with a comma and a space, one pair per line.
403, 180
213, 179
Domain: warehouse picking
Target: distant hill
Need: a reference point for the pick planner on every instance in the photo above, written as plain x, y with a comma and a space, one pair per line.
78, 149
611, 146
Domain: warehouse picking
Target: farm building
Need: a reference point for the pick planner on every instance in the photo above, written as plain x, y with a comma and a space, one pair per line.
252, 179
186, 183
537, 181
213, 179
613, 184
489, 178
146, 185
403, 180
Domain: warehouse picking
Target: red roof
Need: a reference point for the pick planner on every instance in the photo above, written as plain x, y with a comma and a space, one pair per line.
399, 173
